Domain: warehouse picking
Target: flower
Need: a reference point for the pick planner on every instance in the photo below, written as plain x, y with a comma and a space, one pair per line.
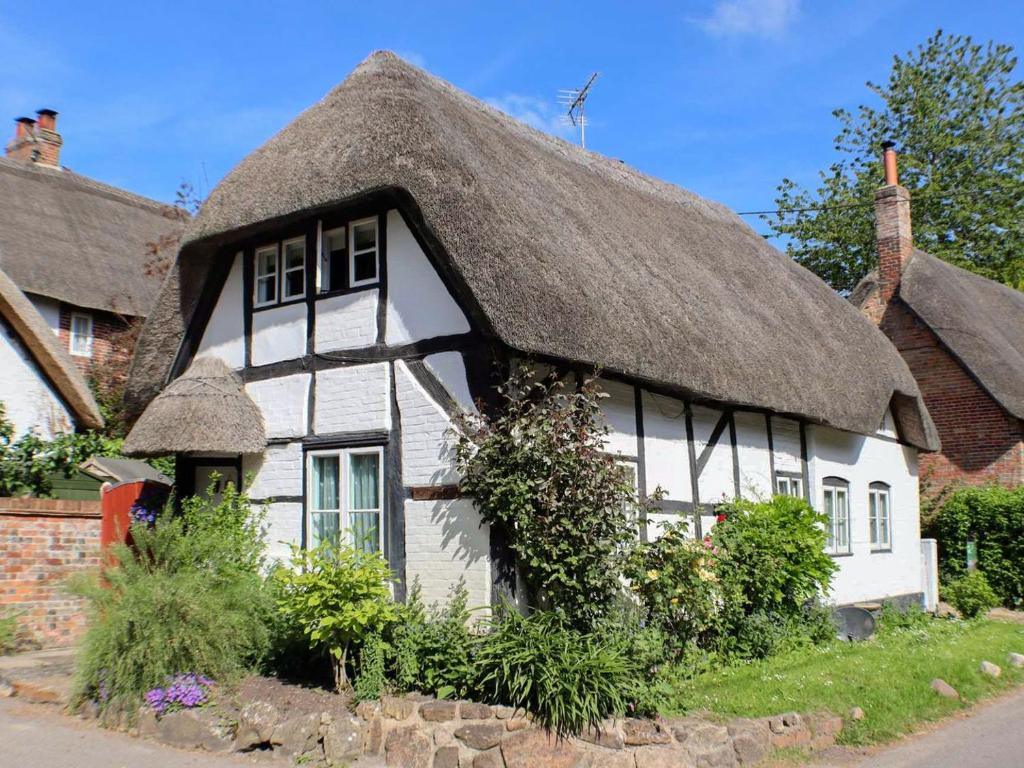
652, 574
184, 691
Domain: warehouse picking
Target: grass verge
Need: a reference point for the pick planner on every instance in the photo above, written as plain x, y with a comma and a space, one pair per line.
887, 676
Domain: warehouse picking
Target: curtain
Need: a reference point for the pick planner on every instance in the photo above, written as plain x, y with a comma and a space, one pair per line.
326, 508
364, 515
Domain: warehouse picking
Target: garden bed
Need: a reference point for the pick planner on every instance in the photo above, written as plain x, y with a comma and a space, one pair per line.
888, 677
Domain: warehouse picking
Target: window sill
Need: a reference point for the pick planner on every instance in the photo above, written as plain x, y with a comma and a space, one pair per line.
886, 551
344, 291
288, 303
840, 554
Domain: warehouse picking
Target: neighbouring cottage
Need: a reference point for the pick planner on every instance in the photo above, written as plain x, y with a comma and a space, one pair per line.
962, 336
354, 281
85, 253
40, 387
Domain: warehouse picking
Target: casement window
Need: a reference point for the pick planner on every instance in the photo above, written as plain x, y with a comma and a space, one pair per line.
789, 484
333, 259
880, 517
836, 507
345, 497
266, 276
293, 263
80, 343
363, 259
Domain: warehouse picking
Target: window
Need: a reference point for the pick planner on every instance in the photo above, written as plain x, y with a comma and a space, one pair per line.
81, 335
631, 469
788, 484
266, 276
363, 247
879, 517
293, 283
836, 493
333, 260
345, 497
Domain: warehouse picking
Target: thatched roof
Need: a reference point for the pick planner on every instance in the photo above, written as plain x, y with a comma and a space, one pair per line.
206, 410
76, 240
980, 321
48, 353
562, 253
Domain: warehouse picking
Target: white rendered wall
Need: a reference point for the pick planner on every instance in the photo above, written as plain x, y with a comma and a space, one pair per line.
284, 528
284, 403
428, 456
355, 398
30, 403
49, 309
224, 336
755, 462
348, 321
419, 304
666, 455
445, 541
276, 473
450, 369
279, 333
786, 441
716, 481
860, 460
619, 409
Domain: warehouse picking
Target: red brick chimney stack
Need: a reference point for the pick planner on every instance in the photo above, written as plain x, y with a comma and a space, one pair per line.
892, 228
36, 141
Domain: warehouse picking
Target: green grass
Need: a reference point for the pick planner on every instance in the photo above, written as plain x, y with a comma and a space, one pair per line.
887, 676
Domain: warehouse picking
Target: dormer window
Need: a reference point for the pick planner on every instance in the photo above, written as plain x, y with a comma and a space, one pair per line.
363, 263
333, 261
266, 276
293, 256
280, 272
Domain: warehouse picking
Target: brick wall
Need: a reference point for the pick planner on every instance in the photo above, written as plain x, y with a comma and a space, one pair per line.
112, 346
981, 443
42, 543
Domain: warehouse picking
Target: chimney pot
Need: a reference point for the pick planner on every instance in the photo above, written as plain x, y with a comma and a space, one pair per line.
892, 228
47, 119
889, 160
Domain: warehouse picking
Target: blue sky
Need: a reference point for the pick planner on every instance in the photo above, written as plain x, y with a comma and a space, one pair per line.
724, 97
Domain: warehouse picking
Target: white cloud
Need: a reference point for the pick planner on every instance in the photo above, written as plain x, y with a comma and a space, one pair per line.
755, 18
544, 115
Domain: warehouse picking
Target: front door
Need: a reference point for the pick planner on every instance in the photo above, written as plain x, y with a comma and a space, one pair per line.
205, 485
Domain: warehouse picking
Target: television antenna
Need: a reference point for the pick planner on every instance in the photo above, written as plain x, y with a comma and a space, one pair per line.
574, 100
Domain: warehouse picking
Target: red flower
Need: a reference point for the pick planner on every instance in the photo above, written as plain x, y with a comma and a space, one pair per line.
720, 518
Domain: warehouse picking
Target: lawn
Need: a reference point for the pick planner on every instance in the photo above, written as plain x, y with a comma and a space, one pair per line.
887, 676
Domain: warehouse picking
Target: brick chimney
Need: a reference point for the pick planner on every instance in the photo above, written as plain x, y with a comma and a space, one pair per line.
892, 228
36, 141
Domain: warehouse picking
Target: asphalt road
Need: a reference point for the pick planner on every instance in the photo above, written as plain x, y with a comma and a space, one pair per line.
989, 736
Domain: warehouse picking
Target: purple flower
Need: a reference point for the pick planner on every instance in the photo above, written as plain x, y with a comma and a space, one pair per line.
183, 691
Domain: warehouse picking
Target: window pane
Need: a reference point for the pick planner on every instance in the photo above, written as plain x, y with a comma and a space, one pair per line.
266, 289
266, 262
873, 516
332, 270
325, 483
364, 236
842, 537
883, 508
364, 533
794, 487
364, 266
294, 255
783, 486
830, 514
294, 283
364, 473
326, 527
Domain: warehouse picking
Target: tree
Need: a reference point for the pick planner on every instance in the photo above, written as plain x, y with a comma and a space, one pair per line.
957, 113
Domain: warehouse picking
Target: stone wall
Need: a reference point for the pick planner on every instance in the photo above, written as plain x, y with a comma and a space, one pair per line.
42, 543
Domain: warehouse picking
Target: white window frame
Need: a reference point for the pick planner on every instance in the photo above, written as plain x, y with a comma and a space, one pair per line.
791, 483
838, 488
325, 255
284, 269
74, 337
880, 527
352, 252
344, 493
276, 274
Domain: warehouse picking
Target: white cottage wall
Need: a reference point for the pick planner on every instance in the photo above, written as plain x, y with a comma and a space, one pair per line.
450, 370
716, 481
428, 456
754, 457
284, 403
354, 398
279, 333
224, 336
29, 401
348, 321
446, 541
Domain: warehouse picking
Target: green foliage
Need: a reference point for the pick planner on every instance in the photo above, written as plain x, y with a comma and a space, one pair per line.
569, 680
993, 517
188, 597
676, 580
433, 648
8, 630
371, 675
909, 619
772, 553
538, 470
970, 595
957, 111
339, 595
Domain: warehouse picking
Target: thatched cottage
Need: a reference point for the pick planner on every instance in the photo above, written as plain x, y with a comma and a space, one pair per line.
357, 276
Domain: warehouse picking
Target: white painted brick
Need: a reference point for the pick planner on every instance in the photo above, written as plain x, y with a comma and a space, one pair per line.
352, 399
348, 321
428, 456
224, 336
278, 334
31, 405
278, 472
284, 528
284, 402
444, 540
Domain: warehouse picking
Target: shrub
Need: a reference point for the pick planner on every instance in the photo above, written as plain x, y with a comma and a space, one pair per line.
188, 598
339, 596
539, 471
772, 553
569, 680
8, 630
676, 581
971, 595
895, 619
992, 517
433, 648
371, 673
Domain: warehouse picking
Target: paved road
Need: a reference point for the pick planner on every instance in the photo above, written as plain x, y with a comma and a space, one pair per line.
989, 736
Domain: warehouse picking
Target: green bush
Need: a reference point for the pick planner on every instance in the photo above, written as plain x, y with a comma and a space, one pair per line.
772, 554
971, 595
8, 630
371, 672
992, 517
188, 597
567, 679
339, 596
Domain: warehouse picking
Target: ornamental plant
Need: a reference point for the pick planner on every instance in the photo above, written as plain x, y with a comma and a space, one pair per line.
180, 692
971, 595
339, 596
538, 470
